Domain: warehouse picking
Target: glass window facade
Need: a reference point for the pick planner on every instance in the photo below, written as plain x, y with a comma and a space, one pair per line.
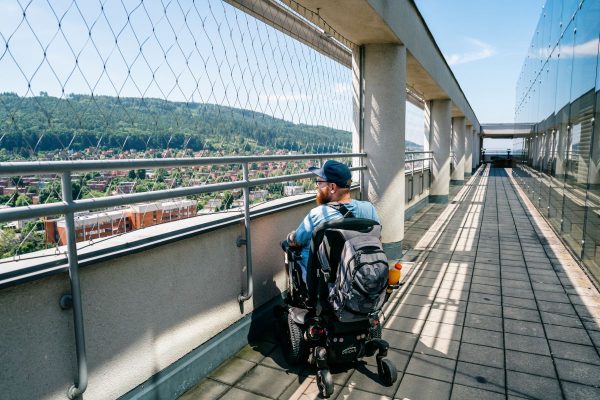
559, 91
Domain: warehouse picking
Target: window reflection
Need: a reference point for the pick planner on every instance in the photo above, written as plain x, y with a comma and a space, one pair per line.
559, 91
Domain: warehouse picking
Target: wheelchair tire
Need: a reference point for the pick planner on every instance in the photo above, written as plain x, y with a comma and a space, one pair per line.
295, 348
324, 383
387, 372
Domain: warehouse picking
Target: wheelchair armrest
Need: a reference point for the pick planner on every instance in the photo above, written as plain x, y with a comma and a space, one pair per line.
292, 252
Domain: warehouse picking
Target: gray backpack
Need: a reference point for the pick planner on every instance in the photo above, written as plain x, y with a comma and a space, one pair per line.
361, 275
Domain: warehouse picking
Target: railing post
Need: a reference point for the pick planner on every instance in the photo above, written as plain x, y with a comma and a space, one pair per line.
82, 375
246, 190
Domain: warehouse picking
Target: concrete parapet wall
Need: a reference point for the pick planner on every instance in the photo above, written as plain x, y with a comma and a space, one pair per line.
142, 312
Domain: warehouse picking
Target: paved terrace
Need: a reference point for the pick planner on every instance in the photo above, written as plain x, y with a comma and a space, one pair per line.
494, 308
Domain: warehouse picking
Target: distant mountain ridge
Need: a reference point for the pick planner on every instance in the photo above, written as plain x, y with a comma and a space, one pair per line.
80, 121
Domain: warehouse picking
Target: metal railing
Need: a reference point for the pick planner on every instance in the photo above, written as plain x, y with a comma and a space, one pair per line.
68, 207
424, 163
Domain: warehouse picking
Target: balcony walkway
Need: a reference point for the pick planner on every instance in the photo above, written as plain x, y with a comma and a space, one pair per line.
494, 308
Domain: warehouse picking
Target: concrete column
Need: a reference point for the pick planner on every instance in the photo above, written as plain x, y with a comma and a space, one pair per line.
476, 149
384, 102
458, 147
439, 142
468, 151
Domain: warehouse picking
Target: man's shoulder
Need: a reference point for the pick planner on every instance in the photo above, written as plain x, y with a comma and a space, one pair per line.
362, 203
322, 210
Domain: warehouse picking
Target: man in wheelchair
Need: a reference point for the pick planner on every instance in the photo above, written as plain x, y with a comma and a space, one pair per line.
333, 202
337, 281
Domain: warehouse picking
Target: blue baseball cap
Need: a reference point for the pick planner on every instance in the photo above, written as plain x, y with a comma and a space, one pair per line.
334, 172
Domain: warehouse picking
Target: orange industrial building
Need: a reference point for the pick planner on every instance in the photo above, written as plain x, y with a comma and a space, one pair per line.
102, 224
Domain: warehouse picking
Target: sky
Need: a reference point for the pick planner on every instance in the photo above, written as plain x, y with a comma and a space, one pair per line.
485, 43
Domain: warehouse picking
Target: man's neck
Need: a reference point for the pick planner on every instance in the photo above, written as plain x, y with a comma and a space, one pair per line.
344, 199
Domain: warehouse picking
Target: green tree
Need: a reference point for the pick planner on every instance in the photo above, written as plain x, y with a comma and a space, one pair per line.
9, 240
22, 201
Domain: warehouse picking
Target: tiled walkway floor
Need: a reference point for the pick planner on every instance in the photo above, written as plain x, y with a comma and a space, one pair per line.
495, 308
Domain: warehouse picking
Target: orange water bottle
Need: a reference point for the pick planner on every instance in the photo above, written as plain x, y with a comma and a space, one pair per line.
394, 275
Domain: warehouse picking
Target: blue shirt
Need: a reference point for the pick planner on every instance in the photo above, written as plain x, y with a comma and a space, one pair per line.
324, 213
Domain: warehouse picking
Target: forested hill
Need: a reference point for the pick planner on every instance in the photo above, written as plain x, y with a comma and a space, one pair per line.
81, 121
45, 123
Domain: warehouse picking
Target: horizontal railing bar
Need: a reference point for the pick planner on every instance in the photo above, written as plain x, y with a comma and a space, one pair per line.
417, 152
418, 159
37, 167
37, 211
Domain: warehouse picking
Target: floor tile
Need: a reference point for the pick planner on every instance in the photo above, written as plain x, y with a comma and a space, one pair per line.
432, 367
519, 302
530, 363
483, 337
233, 369
532, 386
400, 340
566, 334
493, 310
240, 394
438, 347
523, 327
266, 381
354, 393
365, 378
586, 374
403, 324
417, 387
441, 330
483, 355
575, 352
207, 390
460, 392
484, 322
411, 311
522, 314
528, 344
479, 376
575, 391
561, 319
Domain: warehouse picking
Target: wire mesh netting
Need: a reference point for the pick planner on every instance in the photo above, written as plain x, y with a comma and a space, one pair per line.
165, 79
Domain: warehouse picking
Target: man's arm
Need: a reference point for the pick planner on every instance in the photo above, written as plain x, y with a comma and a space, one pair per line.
301, 236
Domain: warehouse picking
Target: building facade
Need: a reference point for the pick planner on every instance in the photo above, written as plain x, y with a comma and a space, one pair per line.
558, 90
95, 225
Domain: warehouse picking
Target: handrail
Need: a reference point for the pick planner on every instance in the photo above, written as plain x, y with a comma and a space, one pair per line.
33, 167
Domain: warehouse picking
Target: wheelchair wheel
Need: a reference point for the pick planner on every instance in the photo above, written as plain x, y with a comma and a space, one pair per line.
325, 383
294, 345
387, 372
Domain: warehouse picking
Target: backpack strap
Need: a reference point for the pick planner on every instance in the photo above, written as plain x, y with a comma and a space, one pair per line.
341, 208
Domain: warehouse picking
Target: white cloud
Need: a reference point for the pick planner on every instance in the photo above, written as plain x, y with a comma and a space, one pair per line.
481, 51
